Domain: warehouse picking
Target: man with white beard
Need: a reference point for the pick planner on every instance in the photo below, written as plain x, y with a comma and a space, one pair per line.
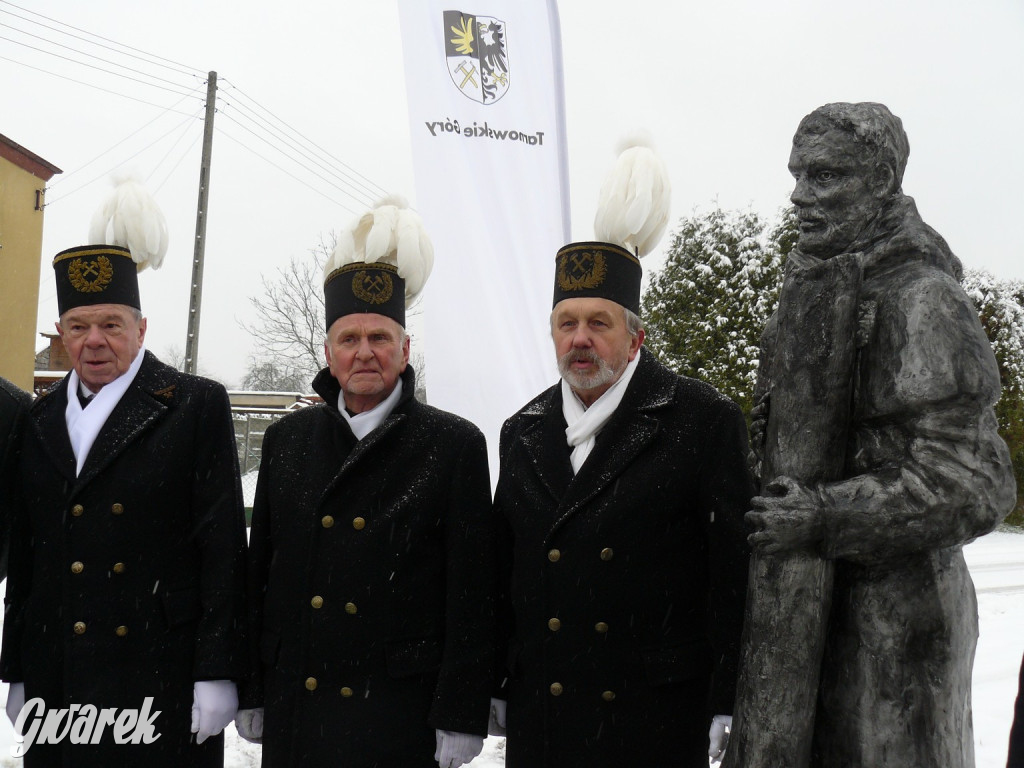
621, 496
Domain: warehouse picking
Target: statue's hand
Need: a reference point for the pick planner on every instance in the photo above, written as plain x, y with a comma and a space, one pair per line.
788, 519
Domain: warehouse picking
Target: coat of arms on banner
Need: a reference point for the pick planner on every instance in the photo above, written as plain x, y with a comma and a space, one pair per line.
477, 53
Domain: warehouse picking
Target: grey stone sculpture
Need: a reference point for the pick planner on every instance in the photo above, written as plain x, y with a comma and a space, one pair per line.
879, 459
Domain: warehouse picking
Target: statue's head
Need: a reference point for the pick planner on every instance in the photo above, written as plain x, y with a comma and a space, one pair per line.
847, 160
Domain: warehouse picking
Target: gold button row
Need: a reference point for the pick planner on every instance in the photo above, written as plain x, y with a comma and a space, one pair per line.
78, 566
557, 690
327, 521
311, 685
79, 629
555, 555
555, 624
78, 509
318, 602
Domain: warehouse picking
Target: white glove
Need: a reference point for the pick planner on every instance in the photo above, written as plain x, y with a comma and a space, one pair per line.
15, 701
249, 724
721, 727
496, 722
455, 749
214, 704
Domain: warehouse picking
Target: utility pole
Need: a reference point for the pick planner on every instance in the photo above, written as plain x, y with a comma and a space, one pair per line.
196, 300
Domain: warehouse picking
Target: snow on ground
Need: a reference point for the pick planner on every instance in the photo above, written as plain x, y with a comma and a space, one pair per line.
997, 567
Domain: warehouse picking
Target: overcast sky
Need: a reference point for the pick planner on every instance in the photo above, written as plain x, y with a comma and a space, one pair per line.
719, 85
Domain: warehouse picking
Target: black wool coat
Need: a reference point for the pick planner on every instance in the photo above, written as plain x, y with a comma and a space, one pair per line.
14, 405
128, 581
371, 575
623, 586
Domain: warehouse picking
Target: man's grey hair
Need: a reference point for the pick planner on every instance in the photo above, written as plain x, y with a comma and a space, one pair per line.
133, 311
634, 324
871, 125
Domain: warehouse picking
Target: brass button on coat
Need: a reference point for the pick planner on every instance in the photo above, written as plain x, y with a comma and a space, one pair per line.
79, 627
346, 692
600, 627
608, 695
554, 555
327, 521
556, 689
358, 523
77, 510
607, 554
117, 509
350, 607
554, 625
317, 601
310, 683
118, 567
77, 567
121, 631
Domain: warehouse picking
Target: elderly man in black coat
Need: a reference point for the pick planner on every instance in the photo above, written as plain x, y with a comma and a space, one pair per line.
371, 562
14, 404
622, 492
125, 598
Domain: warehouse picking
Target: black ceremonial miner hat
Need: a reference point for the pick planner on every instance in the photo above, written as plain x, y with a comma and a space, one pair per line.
96, 274
365, 287
598, 270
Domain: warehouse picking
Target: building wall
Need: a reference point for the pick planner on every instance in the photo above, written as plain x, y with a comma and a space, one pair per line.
21, 242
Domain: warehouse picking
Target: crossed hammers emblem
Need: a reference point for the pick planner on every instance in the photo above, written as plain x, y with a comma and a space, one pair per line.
582, 264
374, 284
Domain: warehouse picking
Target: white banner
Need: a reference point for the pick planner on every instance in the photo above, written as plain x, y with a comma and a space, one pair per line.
487, 114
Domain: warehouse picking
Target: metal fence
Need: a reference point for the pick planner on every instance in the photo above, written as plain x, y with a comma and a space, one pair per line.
250, 426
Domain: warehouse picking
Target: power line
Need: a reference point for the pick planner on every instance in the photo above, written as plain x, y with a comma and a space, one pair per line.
318, 160
183, 156
118, 165
84, 53
82, 82
145, 125
297, 162
309, 141
158, 61
87, 64
285, 171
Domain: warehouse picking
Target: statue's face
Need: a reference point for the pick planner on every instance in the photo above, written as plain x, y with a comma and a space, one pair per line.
838, 191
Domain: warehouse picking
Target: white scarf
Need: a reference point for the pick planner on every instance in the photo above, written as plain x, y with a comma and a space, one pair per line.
84, 424
364, 423
586, 423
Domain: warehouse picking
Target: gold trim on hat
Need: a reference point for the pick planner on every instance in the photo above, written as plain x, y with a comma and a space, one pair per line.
99, 250
354, 265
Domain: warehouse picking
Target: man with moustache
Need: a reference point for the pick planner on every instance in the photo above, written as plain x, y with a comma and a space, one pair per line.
371, 553
926, 471
128, 540
623, 558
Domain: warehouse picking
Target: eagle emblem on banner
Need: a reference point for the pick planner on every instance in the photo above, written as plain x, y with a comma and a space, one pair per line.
476, 49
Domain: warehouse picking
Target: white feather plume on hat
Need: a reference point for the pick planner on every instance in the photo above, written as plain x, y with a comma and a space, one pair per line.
633, 205
130, 218
391, 233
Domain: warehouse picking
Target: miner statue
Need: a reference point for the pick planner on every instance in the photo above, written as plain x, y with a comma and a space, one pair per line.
880, 461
